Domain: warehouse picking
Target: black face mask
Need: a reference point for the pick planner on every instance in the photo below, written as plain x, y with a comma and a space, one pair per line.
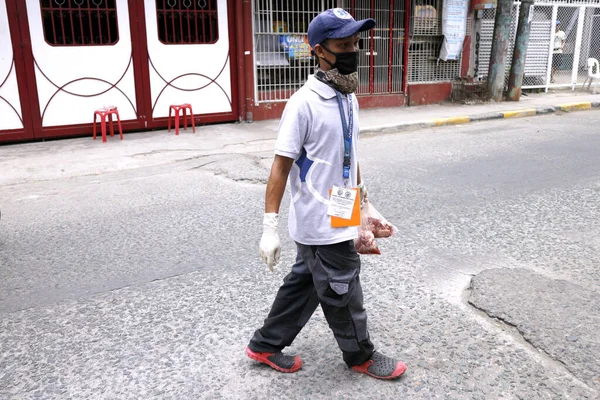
346, 63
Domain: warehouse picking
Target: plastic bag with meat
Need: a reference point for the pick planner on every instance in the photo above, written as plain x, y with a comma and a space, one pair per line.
375, 222
373, 226
366, 243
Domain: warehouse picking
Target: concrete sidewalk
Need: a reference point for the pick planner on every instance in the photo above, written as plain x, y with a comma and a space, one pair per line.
82, 156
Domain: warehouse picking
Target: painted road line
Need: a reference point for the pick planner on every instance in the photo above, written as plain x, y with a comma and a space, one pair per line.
451, 121
575, 106
529, 112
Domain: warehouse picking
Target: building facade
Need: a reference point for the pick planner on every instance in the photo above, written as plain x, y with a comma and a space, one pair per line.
233, 60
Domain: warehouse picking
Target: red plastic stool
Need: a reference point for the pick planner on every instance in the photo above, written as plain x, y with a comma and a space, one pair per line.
176, 109
103, 113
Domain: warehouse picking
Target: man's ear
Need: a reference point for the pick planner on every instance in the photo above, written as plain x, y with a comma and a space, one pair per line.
318, 50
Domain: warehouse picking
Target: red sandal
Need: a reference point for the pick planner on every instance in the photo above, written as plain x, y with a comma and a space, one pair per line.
277, 361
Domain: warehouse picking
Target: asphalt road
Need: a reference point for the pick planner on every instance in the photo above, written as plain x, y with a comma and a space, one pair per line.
147, 282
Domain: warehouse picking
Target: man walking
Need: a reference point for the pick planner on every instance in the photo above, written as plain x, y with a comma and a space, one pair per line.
559, 44
317, 149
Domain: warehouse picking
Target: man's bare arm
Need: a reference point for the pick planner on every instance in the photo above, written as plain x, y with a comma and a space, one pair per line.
276, 185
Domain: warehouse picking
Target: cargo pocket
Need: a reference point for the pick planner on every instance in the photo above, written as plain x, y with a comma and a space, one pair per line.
335, 277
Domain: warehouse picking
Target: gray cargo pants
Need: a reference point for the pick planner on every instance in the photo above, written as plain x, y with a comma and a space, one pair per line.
326, 275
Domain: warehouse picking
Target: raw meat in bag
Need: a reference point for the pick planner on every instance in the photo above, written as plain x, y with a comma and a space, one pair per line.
372, 226
366, 243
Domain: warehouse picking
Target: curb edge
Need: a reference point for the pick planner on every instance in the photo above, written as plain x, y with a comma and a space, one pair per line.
463, 119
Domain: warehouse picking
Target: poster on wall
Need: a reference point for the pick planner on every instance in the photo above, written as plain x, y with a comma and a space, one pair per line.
296, 47
454, 23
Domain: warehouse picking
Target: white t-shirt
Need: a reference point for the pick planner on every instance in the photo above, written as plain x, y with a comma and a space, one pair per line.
559, 41
311, 133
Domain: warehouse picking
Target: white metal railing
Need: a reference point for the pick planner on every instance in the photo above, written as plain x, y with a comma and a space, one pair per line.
553, 60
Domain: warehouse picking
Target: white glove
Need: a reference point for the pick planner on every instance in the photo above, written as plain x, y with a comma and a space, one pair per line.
363, 192
270, 246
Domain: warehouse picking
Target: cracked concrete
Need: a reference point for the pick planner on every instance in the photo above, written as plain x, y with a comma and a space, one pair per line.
557, 317
239, 168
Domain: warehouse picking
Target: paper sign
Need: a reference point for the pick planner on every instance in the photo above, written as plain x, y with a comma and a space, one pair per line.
454, 23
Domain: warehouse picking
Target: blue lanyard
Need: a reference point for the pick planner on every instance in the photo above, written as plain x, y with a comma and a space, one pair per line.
347, 128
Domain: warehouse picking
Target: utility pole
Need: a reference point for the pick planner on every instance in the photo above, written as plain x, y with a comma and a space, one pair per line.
497, 70
517, 69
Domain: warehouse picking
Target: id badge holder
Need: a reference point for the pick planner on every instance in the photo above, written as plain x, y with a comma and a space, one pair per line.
354, 220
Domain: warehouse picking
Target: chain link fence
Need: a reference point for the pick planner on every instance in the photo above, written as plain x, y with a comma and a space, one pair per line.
563, 35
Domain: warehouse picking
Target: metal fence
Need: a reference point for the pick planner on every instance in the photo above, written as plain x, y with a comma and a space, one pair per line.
282, 53
563, 35
425, 44
382, 49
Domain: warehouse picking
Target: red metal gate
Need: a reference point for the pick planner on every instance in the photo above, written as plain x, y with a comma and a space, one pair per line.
64, 28
15, 19
382, 69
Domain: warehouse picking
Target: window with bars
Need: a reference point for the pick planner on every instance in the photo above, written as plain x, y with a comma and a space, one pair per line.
80, 22
425, 45
282, 53
381, 60
187, 21
283, 58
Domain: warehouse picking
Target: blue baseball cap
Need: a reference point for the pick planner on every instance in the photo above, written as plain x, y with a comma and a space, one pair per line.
335, 23
557, 22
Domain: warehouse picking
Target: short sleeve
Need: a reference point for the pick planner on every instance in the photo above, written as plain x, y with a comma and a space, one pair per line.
293, 129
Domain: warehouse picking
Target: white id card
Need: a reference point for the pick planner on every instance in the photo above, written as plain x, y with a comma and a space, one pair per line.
341, 202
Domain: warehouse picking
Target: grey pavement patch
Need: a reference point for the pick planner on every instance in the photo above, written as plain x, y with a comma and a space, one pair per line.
486, 117
556, 316
238, 167
545, 110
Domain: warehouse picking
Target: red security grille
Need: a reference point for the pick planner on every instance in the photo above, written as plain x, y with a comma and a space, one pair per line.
80, 22
187, 21
382, 53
